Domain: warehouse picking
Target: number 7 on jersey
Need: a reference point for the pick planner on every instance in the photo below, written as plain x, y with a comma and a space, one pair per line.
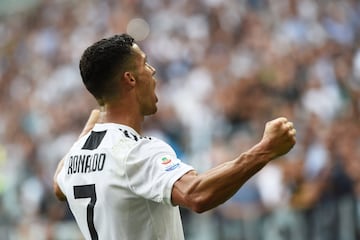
88, 191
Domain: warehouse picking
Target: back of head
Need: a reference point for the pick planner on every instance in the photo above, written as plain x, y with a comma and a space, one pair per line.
102, 62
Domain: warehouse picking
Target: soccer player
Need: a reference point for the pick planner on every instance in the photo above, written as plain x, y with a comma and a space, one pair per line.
122, 185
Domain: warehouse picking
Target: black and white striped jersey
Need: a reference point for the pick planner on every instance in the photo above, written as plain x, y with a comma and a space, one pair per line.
118, 185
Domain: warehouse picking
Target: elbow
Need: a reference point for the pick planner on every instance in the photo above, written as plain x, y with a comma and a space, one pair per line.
56, 188
197, 208
200, 209
58, 193
200, 204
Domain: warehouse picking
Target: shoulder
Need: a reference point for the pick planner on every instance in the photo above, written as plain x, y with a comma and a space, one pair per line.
149, 150
153, 145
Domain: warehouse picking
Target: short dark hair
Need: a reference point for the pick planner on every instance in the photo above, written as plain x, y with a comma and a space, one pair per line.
104, 60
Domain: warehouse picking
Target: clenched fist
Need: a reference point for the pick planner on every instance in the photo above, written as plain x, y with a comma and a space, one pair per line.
279, 137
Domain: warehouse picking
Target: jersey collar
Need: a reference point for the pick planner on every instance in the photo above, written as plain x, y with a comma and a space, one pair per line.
105, 126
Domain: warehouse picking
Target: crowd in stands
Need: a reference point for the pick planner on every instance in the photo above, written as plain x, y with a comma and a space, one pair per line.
224, 69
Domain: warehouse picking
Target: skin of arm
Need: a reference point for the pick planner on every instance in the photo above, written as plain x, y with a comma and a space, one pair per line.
93, 118
202, 192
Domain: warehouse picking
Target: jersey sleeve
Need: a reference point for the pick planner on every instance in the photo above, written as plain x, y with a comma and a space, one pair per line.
152, 168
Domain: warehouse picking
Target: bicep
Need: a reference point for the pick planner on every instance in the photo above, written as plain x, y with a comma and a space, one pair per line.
181, 189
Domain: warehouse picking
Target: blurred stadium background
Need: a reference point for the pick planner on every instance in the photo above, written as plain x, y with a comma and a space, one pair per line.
224, 69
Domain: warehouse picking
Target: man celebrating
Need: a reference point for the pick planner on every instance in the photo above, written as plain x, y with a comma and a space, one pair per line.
122, 185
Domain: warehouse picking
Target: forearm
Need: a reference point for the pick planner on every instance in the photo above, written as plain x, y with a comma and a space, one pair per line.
222, 183
217, 185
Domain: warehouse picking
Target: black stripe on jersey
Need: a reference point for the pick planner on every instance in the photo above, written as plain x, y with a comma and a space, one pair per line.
94, 140
133, 136
126, 133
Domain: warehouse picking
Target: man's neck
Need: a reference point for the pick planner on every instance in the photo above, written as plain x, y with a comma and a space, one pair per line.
123, 115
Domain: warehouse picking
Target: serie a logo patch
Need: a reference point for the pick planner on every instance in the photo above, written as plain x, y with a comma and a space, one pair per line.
169, 164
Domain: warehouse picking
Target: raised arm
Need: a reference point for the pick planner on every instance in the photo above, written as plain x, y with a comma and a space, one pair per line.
93, 118
202, 192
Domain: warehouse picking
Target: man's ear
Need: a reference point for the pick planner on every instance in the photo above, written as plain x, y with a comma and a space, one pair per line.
129, 78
